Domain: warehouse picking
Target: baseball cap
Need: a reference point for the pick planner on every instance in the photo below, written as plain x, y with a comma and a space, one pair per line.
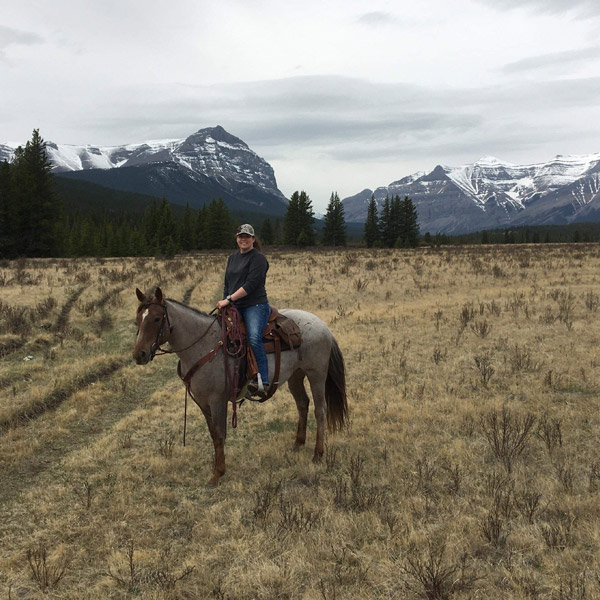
245, 228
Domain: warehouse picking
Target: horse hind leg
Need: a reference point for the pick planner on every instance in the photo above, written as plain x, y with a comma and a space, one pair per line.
317, 387
296, 385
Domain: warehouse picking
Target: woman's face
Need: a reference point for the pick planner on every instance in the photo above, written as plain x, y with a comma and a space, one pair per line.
245, 242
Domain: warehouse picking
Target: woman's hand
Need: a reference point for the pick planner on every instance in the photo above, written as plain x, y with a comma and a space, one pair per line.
223, 303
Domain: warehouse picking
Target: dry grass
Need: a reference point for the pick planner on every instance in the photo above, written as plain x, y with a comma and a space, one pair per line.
470, 469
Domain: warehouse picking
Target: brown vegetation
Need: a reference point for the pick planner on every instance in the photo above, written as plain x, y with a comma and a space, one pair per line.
470, 468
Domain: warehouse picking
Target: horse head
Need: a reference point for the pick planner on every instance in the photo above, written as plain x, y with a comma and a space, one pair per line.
153, 325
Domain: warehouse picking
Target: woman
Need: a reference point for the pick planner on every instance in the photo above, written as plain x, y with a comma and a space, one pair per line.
245, 288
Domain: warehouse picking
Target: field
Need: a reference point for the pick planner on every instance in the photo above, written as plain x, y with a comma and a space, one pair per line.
470, 467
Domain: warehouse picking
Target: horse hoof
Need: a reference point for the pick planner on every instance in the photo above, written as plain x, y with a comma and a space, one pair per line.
296, 447
317, 458
213, 483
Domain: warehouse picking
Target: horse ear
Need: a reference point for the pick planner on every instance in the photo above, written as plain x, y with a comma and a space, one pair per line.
158, 294
140, 295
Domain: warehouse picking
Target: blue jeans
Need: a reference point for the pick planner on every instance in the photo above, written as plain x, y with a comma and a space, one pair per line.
256, 318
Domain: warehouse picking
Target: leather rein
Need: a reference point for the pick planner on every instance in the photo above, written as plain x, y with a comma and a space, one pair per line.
157, 350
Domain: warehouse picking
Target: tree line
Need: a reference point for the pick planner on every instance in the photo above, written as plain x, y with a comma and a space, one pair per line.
397, 227
34, 223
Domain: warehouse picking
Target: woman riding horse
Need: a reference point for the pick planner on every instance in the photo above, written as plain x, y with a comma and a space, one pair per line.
244, 287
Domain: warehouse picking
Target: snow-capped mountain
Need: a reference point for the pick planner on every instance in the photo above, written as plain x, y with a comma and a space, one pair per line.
208, 164
493, 193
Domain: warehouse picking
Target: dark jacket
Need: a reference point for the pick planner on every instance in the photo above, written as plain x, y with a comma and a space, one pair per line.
249, 271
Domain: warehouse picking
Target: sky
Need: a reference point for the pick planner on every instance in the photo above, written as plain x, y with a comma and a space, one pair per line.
338, 96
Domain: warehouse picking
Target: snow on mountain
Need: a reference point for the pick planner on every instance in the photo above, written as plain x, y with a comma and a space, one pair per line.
212, 159
492, 193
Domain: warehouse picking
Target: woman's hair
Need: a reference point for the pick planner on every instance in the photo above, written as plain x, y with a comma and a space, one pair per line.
256, 244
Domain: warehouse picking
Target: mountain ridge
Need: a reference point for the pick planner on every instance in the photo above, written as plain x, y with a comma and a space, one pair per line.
492, 193
207, 164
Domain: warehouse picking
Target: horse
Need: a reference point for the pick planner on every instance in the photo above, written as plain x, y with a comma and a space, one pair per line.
194, 335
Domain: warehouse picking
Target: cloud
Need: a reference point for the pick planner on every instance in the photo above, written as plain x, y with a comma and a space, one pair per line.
555, 59
10, 37
581, 8
376, 18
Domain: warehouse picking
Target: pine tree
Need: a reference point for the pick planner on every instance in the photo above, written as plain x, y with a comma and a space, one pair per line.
372, 234
298, 227
277, 234
219, 227
200, 228
150, 226
186, 229
292, 220
267, 235
397, 225
7, 217
334, 230
37, 208
410, 223
166, 231
385, 224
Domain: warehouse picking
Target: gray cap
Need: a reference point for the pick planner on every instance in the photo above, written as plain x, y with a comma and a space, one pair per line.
245, 228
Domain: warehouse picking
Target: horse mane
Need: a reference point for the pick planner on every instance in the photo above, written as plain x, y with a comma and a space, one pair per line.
199, 312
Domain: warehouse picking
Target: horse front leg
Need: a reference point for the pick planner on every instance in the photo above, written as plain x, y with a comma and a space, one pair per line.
217, 426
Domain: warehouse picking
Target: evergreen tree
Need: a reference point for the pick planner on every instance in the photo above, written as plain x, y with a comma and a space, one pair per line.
410, 223
7, 217
150, 226
167, 230
37, 209
219, 227
298, 229
334, 230
200, 228
385, 224
292, 220
186, 229
267, 234
397, 225
372, 224
277, 234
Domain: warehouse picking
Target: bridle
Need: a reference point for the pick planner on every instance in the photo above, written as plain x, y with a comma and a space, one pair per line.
155, 348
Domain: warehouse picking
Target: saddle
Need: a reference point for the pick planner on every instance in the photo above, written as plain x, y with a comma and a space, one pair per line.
281, 334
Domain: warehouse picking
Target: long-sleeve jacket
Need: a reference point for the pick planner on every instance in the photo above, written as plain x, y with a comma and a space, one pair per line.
248, 270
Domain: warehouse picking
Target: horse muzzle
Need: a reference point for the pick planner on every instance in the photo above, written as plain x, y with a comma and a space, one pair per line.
141, 357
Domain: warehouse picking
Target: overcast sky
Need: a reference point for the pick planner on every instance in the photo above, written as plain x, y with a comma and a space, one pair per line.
339, 95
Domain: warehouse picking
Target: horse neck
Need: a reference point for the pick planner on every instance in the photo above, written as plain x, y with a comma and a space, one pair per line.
188, 327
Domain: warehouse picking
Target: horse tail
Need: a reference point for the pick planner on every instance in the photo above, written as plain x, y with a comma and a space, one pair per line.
335, 390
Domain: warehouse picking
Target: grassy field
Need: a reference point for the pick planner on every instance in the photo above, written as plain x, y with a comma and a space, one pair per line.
470, 468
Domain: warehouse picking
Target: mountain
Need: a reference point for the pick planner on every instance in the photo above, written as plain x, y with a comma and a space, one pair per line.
210, 163
491, 193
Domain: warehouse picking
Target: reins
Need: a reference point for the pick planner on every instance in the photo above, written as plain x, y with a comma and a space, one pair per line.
155, 349
237, 351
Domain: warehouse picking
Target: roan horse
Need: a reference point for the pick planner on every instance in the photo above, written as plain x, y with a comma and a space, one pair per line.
193, 335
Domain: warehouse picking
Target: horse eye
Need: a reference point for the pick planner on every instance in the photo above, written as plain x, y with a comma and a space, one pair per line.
157, 320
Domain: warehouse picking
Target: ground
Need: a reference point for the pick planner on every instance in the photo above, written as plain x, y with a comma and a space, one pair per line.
470, 466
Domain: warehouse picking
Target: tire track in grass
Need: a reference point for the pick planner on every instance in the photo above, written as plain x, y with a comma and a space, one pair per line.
25, 473
11, 345
63, 317
55, 398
